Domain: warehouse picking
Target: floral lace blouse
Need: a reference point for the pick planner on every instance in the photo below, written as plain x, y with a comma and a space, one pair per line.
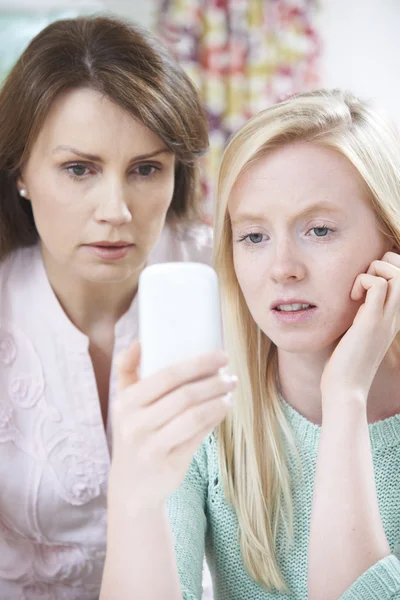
54, 450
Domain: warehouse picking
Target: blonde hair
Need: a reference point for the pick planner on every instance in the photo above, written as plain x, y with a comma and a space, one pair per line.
251, 440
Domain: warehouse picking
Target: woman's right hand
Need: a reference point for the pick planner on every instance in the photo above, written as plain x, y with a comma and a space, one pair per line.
159, 422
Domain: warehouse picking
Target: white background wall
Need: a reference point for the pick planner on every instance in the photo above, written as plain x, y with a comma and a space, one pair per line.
362, 49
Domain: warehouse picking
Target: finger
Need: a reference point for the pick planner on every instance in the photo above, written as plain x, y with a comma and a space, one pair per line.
384, 269
375, 289
392, 258
392, 274
190, 424
160, 413
165, 381
392, 305
127, 365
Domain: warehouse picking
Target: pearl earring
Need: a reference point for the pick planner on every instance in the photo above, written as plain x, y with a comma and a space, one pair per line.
22, 193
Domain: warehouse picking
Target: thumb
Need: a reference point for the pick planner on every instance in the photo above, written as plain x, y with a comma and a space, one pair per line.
127, 363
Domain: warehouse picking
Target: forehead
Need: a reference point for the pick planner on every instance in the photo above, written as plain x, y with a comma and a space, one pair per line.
296, 176
84, 117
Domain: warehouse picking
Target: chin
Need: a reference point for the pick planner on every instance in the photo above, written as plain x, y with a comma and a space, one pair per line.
321, 336
305, 343
107, 273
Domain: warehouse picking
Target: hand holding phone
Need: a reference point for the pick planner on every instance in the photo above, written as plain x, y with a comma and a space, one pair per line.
160, 418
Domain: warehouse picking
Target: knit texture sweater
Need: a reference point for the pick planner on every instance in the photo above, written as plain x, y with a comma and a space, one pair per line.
203, 523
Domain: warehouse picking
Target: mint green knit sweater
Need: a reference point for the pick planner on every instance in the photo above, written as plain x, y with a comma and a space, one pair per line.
202, 522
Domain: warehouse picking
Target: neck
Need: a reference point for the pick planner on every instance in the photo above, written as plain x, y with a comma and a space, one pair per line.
300, 376
94, 308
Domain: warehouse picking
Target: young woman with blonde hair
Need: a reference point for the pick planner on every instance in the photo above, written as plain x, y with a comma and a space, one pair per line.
296, 492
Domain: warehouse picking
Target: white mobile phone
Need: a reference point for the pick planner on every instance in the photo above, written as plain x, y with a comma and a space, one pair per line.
179, 314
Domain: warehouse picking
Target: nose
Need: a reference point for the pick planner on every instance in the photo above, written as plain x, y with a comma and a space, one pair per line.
287, 264
112, 206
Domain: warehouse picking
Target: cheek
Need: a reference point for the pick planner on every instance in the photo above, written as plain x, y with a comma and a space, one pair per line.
161, 191
332, 283
53, 195
151, 203
251, 275
55, 209
339, 274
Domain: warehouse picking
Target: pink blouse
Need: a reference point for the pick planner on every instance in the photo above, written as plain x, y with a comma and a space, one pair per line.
55, 453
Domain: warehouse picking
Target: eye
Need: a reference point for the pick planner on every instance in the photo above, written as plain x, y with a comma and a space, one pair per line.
255, 238
147, 170
321, 231
252, 239
77, 171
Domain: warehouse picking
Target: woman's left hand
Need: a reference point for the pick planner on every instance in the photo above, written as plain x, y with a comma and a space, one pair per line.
356, 359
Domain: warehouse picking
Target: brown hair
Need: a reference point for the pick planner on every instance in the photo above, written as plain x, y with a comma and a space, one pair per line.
125, 63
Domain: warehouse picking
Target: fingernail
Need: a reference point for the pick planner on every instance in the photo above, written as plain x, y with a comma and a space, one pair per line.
227, 377
228, 399
224, 372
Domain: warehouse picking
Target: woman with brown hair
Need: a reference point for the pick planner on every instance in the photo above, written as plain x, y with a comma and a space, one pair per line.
100, 136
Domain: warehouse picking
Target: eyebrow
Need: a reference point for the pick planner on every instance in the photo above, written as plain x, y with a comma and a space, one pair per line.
249, 216
95, 158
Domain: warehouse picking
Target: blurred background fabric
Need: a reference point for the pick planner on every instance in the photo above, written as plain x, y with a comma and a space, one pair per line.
246, 54
243, 56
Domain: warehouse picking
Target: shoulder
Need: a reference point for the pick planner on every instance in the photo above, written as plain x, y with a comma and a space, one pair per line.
8, 267
18, 262
205, 460
6, 264
16, 271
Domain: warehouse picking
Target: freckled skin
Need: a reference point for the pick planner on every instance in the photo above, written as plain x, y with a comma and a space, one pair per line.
292, 253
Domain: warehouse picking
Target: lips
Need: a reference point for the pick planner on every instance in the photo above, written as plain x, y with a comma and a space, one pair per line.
300, 303
105, 244
109, 251
293, 307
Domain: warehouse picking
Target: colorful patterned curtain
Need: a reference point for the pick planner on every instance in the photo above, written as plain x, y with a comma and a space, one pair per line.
243, 55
